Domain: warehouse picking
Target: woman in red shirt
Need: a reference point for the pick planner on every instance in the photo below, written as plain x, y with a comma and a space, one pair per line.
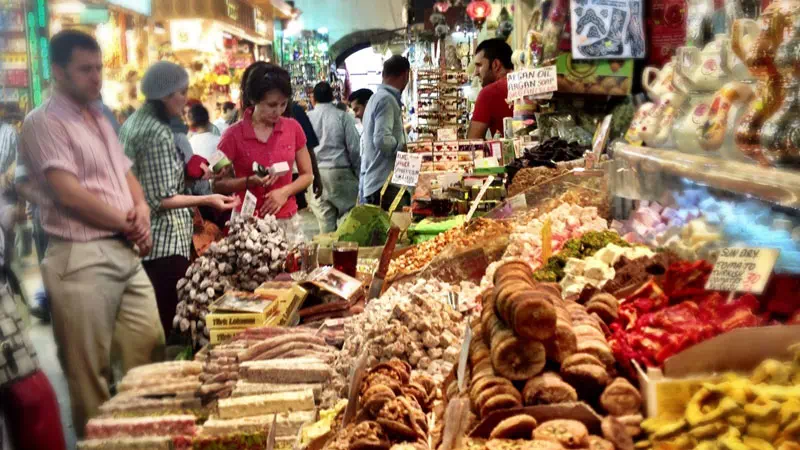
265, 137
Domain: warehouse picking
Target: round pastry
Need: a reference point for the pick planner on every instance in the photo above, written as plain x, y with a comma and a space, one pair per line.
578, 359
588, 333
486, 383
533, 317
606, 313
368, 435
515, 274
563, 344
600, 350
598, 443
588, 379
499, 389
503, 401
563, 314
616, 433
511, 266
553, 288
632, 424
503, 291
515, 427
569, 433
547, 389
603, 298
517, 359
620, 398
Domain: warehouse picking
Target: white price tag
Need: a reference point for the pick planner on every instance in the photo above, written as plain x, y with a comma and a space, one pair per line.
446, 134
215, 158
742, 270
518, 202
406, 169
531, 82
474, 207
249, 204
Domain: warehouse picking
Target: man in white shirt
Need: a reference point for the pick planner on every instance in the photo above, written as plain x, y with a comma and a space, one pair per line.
203, 141
228, 117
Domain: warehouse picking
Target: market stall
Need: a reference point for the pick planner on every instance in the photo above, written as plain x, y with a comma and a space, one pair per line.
594, 292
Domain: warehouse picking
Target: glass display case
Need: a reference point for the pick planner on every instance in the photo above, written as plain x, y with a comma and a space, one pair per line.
695, 204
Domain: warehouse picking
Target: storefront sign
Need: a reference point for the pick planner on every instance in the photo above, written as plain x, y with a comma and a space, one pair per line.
143, 7
528, 82
232, 8
742, 270
38, 49
406, 169
604, 29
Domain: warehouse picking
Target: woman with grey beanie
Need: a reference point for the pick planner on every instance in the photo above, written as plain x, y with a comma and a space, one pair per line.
159, 167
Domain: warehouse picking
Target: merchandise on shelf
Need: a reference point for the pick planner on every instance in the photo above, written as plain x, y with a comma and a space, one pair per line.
441, 103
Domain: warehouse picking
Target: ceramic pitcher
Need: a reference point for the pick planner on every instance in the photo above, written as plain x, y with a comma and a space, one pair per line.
657, 82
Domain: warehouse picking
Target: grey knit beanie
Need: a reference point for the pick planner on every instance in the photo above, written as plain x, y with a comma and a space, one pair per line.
163, 79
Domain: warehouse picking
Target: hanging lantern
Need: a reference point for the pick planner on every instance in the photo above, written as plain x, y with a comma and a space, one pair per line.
478, 11
441, 7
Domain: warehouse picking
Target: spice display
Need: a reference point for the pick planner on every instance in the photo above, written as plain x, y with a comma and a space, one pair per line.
566, 222
412, 321
757, 412
585, 246
529, 177
594, 270
546, 154
254, 251
420, 255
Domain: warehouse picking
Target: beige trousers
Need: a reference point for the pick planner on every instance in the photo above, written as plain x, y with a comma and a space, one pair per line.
100, 295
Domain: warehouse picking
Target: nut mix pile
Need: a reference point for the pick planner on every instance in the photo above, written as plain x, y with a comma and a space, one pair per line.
253, 252
412, 322
420, 255
394, 403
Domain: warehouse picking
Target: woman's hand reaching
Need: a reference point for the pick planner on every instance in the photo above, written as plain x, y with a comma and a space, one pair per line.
222, 202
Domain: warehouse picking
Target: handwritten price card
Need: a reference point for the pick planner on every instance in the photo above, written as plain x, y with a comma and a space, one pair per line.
406, 169
528, 82
742, 270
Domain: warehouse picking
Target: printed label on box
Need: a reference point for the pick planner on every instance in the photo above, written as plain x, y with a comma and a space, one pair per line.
249, 205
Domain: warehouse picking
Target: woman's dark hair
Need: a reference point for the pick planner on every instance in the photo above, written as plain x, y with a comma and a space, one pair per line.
161, 111
260, 78
198, 116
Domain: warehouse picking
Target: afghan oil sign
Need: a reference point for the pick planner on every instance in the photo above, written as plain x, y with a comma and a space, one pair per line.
528, 82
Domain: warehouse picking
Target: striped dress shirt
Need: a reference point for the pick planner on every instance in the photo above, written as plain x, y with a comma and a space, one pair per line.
58, 136
158, 165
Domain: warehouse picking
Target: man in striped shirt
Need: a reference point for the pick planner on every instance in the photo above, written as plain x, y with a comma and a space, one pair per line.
95, 213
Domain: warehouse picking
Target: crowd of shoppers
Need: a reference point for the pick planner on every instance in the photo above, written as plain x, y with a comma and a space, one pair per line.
117, 204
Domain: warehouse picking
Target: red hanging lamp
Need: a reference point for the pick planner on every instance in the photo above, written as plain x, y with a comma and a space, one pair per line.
478, 11
441, 7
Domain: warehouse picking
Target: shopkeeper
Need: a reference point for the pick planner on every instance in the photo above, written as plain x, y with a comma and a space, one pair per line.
492, 64
265, 137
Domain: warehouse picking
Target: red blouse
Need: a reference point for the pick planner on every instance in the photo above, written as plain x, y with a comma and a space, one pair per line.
240, 144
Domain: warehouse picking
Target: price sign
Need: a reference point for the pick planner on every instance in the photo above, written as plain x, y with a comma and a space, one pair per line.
518, 202
406, 169
446, 134
530, 82
742, 270
249, 204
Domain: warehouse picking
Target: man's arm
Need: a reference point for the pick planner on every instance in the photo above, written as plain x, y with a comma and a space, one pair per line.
480, 117
353, 140
382, 137
69, 194
477, 130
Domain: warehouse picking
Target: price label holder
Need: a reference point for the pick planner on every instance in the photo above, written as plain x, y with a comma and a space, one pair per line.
742, 270
518, 202
481, 193
463, 358
272, 433
396, 201
249, 204
356, 377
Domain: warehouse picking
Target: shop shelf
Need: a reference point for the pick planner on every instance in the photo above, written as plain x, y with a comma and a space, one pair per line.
643, 166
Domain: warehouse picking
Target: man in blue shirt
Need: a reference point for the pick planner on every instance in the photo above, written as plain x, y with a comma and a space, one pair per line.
338, 158
384, 135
